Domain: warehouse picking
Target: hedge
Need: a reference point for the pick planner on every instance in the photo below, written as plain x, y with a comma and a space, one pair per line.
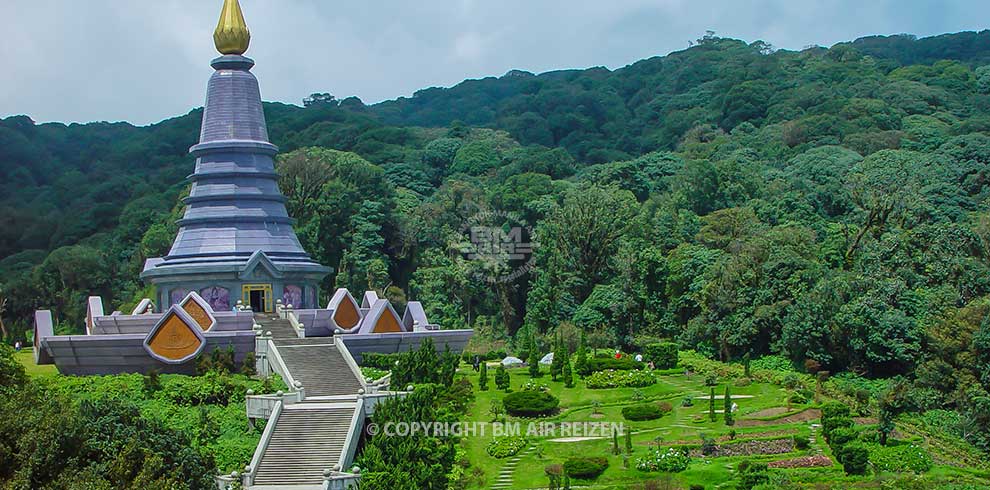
585, 468
620, 379
596, 364
378, 360
663, 355
529, 403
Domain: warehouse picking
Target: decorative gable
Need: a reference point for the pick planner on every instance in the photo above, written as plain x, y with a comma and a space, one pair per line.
346, 313
382, 318
199, 310
176, 338
260, 267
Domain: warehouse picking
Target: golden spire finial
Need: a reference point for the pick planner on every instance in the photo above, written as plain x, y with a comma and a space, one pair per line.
232, 35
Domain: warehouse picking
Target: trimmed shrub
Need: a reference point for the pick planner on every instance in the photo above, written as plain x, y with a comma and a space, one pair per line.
802, 443
854, 458
585, 468
842, 436
646, 411
596, 364
530, 403
503, 447
752, 474
620, 379
835, 415
663, 355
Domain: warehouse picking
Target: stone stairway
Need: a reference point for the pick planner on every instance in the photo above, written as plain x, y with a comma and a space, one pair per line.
280, 329
308, 439
504, 479
319, 366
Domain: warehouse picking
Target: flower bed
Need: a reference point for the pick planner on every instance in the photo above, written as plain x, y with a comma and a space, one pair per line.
620, 379
503, 447
751, 448
670, 460
804, 462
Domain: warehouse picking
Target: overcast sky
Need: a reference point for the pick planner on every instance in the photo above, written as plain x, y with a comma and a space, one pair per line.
146, 60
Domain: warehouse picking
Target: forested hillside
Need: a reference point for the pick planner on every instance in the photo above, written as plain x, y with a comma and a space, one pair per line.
829, 205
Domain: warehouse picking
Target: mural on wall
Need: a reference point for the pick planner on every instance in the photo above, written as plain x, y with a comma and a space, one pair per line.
217, 297
292, 295
177, 296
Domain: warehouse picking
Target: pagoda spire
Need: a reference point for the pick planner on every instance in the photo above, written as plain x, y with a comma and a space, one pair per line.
231, 35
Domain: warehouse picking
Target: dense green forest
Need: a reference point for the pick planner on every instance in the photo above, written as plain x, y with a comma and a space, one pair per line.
827, 205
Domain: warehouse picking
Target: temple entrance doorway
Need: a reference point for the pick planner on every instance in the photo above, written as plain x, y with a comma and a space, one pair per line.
259, 296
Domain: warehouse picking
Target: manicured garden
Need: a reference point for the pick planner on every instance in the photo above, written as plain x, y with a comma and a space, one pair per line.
678, 432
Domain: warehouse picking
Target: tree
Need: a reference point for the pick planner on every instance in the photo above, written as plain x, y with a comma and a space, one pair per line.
534, 362
711, 405
502, 378
483, 377
568, 374
729, 417
560, 356
581, 357
881, 186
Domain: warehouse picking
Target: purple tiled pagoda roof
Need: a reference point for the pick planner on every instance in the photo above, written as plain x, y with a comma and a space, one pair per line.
235, 207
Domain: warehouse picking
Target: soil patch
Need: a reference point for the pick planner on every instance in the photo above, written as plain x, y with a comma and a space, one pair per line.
800, 417
768, 412
805, 462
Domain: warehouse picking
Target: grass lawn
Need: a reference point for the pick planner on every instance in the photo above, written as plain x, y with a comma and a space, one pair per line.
26, 358
755, 424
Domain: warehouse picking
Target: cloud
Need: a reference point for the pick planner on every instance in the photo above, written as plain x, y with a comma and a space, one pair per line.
144, 61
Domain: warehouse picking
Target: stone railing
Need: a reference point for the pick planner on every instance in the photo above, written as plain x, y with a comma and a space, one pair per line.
277, 365
340, 480
380, 384
266, 437
261, 407
350, 446
351, 363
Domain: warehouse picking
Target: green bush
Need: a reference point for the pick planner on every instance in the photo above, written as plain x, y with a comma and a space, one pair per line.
530, 403
854, 458
801, 443
670, 460
378, 360
646, 411
772, 363
835, 415
596, 364
585, 468
900, 459
752, 474
663, 355
842, 436
503, 447
620, 379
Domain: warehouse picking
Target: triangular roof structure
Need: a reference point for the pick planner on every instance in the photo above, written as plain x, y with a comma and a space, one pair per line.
94, 308
346, 312
199, 310
414, 313
176, 338
382, 318
259, 258
369, 299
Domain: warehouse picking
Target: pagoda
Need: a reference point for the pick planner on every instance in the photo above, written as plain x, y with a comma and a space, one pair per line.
235, 240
